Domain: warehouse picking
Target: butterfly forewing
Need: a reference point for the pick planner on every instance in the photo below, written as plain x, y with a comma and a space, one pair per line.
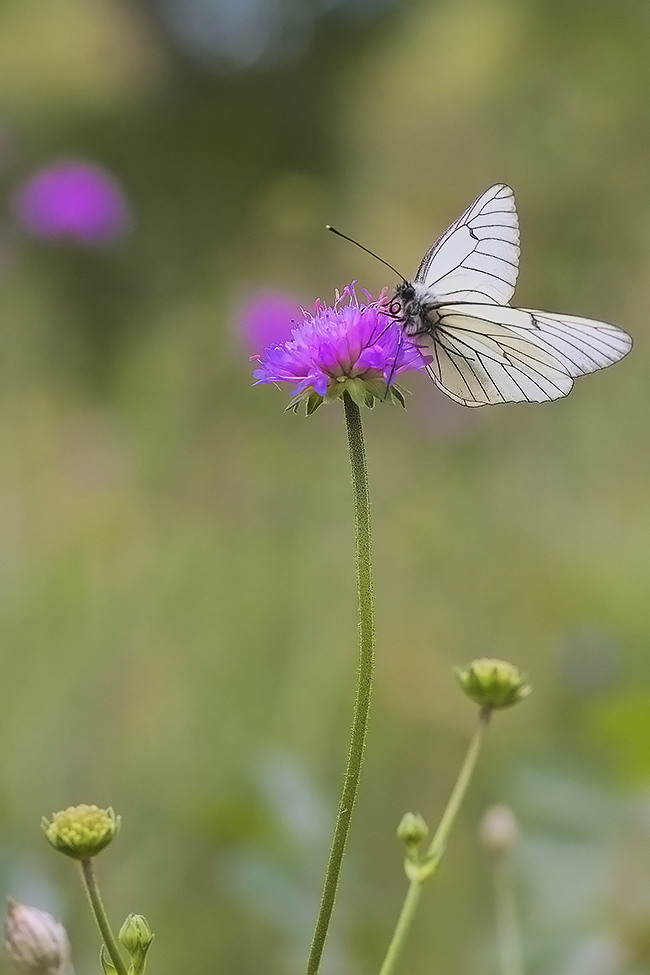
477, 258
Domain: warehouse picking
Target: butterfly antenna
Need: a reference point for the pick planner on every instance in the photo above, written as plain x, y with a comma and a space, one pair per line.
366, 249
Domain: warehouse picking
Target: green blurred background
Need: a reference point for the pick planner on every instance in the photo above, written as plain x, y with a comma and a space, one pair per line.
177, 604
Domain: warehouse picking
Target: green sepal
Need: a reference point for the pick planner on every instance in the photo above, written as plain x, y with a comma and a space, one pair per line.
310, 401
313, 403
364, 392
412, 868
106, 963
397, 394
140, 961
357, 391
422, 870
429, 867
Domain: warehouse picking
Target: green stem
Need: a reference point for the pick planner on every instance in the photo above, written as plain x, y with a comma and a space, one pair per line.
507, 918
361, 498
441, 835
403, 925
97, 907
431, 861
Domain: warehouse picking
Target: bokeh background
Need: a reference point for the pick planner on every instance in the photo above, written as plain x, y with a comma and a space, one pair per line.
177, 605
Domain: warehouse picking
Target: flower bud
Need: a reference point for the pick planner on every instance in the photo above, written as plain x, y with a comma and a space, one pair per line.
35, 941
412, 830
135, 935
493, 683
499, 829
81, 831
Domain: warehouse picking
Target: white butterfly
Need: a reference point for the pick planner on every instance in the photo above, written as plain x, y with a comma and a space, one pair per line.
483, 350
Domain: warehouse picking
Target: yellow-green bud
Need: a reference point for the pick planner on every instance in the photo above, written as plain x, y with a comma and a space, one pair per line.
81, 831
493, 683
35, 941
499, 829
135, 935
412, 830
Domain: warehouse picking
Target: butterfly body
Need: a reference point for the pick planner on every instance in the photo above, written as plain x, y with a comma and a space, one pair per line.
483, 350
417, 309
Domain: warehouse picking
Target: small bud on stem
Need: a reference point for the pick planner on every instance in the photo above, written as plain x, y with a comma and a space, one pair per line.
412, 830
135, 935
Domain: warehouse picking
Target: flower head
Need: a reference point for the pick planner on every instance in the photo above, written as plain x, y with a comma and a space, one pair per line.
351, 346
73, 199
35, 941
493, 683
81, 831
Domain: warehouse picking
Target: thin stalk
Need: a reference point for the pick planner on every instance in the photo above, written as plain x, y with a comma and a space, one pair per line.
403, 925
361, 500
511, 960
441, 835
97, 907
431, 860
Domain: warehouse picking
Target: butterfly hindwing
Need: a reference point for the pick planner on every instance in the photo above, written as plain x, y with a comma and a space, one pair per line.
487, 354
477, 258
583, 345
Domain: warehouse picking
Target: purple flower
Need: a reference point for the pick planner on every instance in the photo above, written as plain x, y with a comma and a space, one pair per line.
73, 199
349, 347
267, 318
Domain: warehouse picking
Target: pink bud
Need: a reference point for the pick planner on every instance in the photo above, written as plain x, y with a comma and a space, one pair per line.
499, 829
35, 941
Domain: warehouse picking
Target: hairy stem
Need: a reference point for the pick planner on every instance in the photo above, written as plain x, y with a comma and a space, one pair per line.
361, 499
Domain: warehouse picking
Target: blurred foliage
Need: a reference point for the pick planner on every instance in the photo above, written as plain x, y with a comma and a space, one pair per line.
176, 584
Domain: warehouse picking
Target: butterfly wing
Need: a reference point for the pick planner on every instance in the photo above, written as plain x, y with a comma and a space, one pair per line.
477, 258
486, 354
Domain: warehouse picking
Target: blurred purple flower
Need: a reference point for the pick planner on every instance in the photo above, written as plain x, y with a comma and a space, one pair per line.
73, 199
352, 347
267, 318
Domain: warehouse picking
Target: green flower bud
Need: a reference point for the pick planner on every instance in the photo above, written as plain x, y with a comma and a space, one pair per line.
135, 935
81, 831
35, 941
493, 683
499, 829
412, 830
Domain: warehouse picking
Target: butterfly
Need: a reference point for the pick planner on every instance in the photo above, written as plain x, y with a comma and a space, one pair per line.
483, 350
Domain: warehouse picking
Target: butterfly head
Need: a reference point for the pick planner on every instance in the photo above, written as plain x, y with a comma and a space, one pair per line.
405, 291
409, 308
